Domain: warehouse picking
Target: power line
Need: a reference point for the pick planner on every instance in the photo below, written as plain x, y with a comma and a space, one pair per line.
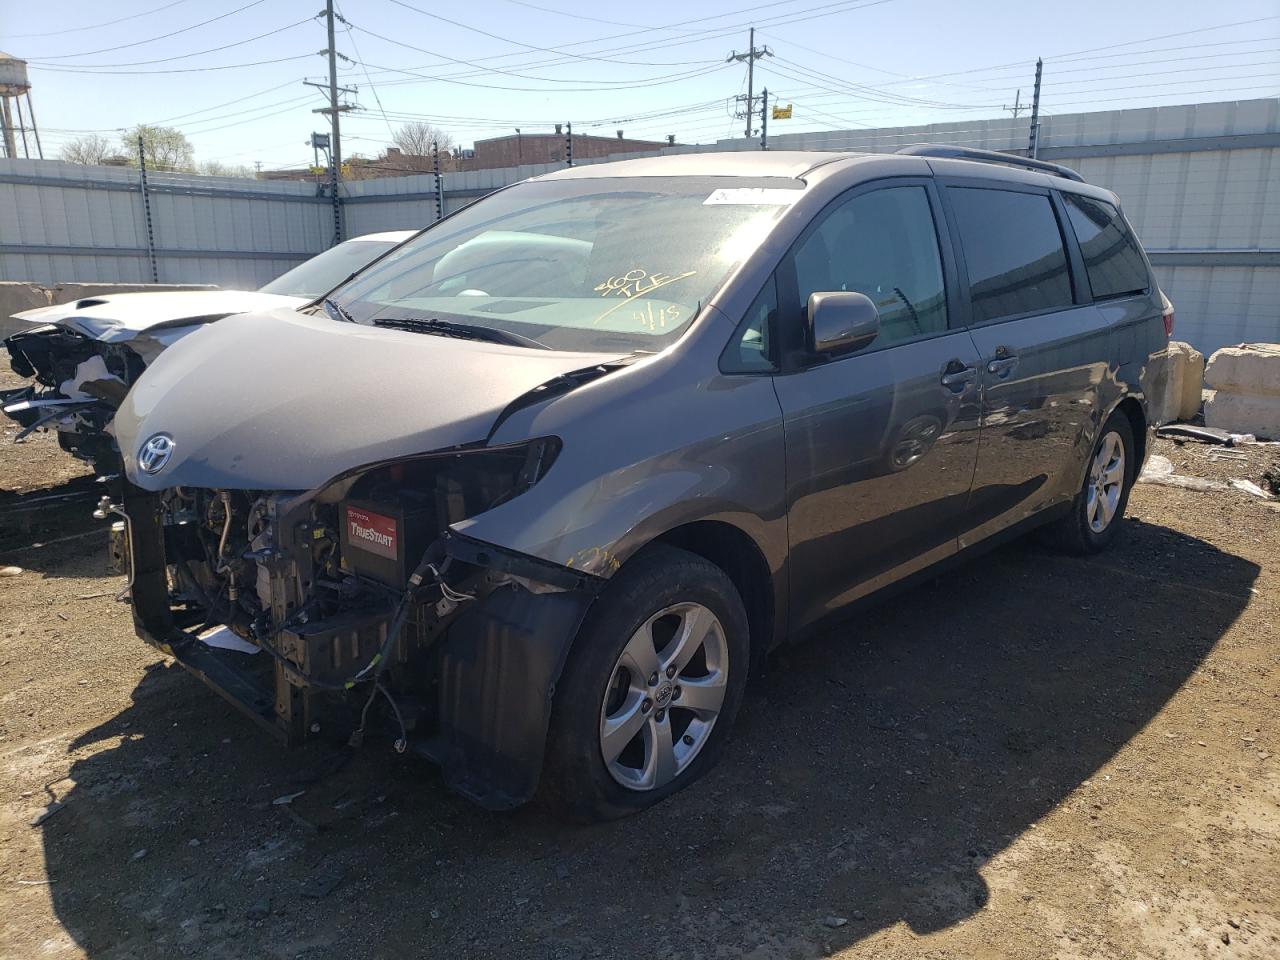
576, 16
509, 73
694, 36
96, 26
873, 93
224, 66
372, 89
218, 106
163, 36
676, 78
561, 51
186, 56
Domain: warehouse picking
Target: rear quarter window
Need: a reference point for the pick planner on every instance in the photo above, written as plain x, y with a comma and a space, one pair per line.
1113, 260
1013, 251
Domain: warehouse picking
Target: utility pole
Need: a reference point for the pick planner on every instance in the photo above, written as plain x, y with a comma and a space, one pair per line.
435, 163
568, 144
1033, 145
751, 56
1017, 107
764, 119
334, 110
146, 211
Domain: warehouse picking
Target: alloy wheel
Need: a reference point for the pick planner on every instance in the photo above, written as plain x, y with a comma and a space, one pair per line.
1106, 483
665, 693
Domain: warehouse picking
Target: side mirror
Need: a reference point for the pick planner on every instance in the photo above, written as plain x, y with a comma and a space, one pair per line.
841, 322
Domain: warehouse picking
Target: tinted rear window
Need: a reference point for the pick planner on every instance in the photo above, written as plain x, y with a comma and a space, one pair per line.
1013, 251
1112, 258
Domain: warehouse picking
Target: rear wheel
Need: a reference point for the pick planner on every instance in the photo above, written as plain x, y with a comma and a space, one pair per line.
1097, 511
651, 687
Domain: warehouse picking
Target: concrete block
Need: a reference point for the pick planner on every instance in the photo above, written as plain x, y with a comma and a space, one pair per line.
16, 297
1173, 381
1245, 390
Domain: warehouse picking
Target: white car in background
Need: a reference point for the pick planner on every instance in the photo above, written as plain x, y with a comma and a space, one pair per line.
85, 355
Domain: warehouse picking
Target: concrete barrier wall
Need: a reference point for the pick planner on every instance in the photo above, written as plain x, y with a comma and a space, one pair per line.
16, 296
1245, 390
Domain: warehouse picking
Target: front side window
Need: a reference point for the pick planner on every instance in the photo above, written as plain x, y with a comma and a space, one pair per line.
882, 244
1112, 260
1013, 250
752, 348
596, 264
326, 270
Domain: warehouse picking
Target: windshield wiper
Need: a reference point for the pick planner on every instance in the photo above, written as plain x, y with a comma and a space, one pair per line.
334, 308
464, 331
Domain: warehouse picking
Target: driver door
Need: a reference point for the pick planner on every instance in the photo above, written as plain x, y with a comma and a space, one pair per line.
881, 444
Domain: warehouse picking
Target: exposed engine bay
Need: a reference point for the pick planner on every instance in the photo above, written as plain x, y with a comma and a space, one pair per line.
372, 615
79, 383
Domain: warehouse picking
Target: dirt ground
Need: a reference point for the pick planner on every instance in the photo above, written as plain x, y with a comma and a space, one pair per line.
1032, 756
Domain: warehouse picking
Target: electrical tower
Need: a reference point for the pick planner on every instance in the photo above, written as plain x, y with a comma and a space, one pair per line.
334, 111
753, 54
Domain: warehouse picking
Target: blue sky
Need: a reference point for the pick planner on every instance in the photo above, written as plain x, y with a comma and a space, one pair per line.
650, 69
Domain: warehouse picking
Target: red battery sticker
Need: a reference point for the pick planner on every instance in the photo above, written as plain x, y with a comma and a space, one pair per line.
372, 532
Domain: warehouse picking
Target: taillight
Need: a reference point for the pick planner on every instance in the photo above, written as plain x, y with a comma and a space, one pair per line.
1167, 317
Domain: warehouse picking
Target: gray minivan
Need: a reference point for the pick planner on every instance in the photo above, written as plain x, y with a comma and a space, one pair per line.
535, 492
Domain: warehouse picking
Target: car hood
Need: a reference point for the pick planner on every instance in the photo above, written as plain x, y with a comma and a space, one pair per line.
119, 317
286, 401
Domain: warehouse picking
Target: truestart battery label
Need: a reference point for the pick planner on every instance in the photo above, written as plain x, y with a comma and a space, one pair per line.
372, 532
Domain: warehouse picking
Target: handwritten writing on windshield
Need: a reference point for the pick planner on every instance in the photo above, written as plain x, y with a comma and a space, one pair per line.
636, 283
654, 318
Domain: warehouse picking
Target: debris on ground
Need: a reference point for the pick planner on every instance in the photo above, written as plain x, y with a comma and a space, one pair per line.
1190, 431
1159, 470
10, 571
287, 799
834, 922
1248, 486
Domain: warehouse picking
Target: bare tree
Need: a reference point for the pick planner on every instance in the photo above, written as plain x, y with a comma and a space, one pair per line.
414, 140
214, 168
90, 149
166, 148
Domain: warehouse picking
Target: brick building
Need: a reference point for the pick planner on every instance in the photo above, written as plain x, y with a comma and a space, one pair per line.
515, 149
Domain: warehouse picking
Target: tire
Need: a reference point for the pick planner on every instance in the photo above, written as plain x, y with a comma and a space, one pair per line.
1098, 509
605, 704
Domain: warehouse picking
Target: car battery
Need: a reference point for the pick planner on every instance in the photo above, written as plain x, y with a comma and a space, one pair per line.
384, 540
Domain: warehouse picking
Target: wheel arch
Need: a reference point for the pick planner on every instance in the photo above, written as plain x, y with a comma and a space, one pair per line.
1132, 408
735, 552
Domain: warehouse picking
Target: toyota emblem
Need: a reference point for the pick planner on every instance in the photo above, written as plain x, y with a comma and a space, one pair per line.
155, 453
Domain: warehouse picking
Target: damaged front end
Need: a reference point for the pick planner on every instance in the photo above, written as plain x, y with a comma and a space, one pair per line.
79, 384
363, 608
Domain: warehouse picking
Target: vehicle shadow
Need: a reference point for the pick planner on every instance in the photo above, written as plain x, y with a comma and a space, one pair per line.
873, 772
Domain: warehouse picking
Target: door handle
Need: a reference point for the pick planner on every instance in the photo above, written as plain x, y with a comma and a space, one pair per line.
957, 376
1002, 366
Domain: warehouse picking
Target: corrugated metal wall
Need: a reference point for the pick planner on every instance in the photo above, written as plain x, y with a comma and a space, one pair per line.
1200, 182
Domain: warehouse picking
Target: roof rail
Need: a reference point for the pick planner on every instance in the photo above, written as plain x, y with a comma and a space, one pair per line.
990, 156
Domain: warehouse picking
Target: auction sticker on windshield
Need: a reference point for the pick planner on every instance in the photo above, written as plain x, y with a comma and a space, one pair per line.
764, 196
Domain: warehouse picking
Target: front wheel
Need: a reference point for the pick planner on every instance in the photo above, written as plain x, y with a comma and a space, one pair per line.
651, 687
1097, 511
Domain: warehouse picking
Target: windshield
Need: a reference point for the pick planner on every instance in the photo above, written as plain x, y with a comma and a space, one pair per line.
326, 270
594, 264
